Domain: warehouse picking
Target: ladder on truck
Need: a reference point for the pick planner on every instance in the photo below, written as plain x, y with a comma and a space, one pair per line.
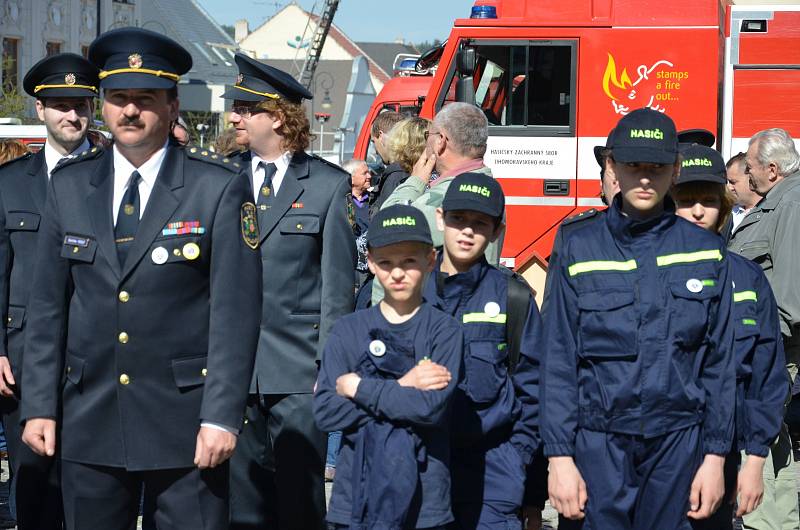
306, 72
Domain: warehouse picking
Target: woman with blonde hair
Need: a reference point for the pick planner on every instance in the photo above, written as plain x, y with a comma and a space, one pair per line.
407, 141
404, 144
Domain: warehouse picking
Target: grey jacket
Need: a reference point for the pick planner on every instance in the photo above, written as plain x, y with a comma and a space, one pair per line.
770, 235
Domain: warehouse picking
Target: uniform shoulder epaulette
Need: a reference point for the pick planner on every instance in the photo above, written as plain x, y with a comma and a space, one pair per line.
89, 154
327, 163
26, 156
204, 155
588, 214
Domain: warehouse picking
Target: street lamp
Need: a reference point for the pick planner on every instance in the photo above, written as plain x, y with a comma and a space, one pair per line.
324, 81
202, 128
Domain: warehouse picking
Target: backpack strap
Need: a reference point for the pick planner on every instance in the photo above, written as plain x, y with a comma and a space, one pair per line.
517, 307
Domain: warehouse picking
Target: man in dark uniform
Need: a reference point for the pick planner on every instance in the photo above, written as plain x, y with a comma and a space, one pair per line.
143, 303
64, 86
308, 258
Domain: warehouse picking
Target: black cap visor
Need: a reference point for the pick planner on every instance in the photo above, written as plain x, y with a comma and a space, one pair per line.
72, 92
385, 240
136, 81
647, 155
470, 206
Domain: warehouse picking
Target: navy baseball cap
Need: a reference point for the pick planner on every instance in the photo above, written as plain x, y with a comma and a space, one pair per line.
64, 75
696, 136
398, 224
258, 82
702, 164
644, 135
476, 192
138, 58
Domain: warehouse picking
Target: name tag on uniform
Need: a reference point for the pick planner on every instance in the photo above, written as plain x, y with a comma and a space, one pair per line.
76, 241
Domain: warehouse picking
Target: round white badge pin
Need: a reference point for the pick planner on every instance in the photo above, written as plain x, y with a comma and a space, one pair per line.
377, 348
159, 255
492, 309
694, 285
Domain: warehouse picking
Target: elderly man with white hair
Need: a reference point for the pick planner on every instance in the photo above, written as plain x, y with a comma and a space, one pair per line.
770, 235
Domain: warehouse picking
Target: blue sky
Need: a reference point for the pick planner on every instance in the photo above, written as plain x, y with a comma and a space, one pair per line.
361, 20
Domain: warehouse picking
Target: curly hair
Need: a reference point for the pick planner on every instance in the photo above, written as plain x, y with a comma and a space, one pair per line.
407, 141
11, 149
295, 129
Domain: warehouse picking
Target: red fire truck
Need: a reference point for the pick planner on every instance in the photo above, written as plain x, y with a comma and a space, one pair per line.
554, 76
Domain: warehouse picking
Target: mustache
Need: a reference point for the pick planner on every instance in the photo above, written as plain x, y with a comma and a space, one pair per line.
130, 121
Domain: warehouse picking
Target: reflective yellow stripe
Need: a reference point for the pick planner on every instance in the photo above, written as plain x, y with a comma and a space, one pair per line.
43, 87
748, 322
689, 257
709, 283
265, 94
157, 73
601, 266
745, 296
483, 317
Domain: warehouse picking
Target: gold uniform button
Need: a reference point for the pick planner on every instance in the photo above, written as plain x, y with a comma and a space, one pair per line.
315, 326
123, 338
22, 223
176, 251
124, 296
9, 320
69, 369
124, 379
75, 250
299, 226
204, 372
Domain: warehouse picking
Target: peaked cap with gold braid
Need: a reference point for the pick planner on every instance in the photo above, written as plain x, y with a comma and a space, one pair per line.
138, 58
64, 75
258, 81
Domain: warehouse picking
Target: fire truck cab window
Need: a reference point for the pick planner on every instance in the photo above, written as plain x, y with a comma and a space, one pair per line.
527, 84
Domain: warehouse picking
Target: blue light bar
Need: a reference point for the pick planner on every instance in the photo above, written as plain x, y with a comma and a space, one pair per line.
484, 12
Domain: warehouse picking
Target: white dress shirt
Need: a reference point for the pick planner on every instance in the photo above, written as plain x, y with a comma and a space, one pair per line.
122, 175
737, 214
282, 164
53, 157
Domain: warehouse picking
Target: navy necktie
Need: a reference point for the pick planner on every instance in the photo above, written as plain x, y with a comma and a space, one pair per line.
128, 217
266, 193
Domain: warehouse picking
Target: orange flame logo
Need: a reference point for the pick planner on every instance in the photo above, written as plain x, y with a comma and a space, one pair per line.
610, 78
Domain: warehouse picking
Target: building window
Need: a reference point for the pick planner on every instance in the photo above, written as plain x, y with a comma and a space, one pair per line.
85, 51
52, 48
10, 64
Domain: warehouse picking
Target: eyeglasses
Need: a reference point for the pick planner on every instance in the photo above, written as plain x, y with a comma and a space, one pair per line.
428, 133
245, 111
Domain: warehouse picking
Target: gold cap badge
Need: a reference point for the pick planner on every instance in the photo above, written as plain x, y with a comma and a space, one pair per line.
239, 79
135, 60
69, 79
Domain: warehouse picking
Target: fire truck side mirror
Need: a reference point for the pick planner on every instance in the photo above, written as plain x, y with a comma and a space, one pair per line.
466, 61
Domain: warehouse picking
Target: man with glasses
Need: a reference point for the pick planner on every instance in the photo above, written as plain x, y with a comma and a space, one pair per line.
456, 143
308, 257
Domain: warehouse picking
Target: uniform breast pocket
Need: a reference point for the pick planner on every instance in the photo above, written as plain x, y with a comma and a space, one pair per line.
757, 251
608, 325
22, 221
300, 224
79, 249
691, 303
177, 249
485, 369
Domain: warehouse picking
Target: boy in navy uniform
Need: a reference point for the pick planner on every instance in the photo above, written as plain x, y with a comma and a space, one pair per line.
495, 429
638, 377
387, 378
762, 382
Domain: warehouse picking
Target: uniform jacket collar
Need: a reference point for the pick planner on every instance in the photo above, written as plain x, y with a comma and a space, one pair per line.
442, 287
627, 229
37, 169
